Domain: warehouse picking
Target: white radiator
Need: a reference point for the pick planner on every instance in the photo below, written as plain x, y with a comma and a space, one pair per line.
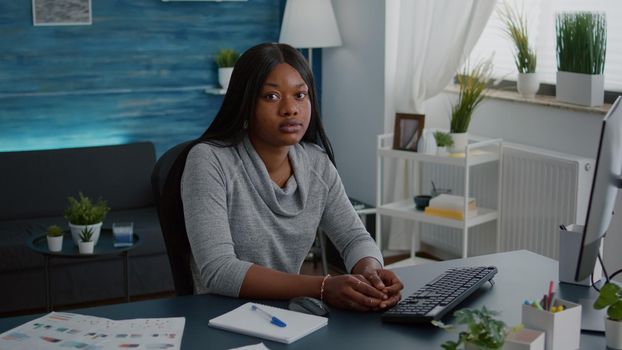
541, 189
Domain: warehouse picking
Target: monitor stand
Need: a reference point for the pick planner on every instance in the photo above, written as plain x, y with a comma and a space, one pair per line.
592, 320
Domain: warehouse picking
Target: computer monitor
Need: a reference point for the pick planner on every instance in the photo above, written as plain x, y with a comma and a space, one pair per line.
607, 175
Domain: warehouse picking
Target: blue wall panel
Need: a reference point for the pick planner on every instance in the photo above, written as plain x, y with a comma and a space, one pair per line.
137, 73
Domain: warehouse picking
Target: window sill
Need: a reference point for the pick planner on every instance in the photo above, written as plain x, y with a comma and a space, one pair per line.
541, 100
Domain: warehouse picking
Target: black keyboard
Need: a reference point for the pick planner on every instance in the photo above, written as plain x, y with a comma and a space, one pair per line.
440, 296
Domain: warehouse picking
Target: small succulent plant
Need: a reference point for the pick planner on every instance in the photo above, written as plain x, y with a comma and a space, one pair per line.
226, 58
54, 231
86, 235
443, 139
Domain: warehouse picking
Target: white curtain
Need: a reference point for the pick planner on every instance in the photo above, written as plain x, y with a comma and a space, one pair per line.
434, 37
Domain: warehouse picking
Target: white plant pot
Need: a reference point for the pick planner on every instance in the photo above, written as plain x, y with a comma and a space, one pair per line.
224, 76
55, 244
613, 333
460, 142
442, 151
77, 229
580, 89
86, 247
528, 84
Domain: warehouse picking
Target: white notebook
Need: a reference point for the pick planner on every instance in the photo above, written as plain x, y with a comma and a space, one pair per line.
246, 321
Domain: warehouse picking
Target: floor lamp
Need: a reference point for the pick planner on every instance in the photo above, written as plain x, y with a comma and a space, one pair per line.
309, 24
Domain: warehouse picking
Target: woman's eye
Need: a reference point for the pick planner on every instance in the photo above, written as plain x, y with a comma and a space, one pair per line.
301, 95
271, 97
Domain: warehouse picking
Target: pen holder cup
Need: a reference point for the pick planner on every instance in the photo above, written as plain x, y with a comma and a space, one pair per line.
562, 328
525, 339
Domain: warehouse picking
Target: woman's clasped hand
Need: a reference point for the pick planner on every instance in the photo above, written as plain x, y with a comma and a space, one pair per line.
369, 288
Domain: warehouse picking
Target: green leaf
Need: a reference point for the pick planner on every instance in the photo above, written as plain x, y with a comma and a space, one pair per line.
84, 212
615, 311
450, 345
609, 294
581, 42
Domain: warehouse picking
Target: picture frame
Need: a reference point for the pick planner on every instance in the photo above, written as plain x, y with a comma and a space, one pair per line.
408, 130
61, 12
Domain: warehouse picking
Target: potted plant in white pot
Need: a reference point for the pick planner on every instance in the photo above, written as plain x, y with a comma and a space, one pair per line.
515, 27
581, 51
610, 297
86, 244
225, 60
55, 238
472, 84
83, 213
443, 140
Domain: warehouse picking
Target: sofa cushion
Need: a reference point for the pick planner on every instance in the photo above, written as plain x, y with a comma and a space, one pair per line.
38, 183
14, 235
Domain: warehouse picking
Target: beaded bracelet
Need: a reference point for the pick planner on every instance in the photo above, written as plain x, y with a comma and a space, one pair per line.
322, 287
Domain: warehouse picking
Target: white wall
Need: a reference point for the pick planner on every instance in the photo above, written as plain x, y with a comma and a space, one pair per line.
354, 102
353, 93
553, 128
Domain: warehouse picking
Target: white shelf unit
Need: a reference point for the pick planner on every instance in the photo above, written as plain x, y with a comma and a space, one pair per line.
476, 153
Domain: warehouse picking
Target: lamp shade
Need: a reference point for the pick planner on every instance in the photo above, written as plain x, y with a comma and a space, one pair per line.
309, 24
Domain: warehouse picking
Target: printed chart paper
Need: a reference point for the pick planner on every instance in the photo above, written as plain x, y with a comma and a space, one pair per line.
61, 330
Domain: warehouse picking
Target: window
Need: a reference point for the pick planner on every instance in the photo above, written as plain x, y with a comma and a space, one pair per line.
541, 18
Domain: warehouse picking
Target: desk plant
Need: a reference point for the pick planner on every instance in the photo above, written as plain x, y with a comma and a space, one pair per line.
515, 27
83, 213
483, 331
581, 50
611, 298
225, 60
443, 140
86, 244
473, 82
55, 238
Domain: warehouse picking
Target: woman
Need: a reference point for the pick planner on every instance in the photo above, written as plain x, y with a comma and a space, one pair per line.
261, 180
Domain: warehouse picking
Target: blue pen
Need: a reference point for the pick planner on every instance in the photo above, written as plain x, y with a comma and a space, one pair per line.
273, 319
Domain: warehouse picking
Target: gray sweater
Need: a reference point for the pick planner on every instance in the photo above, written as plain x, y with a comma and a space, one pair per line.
236, 216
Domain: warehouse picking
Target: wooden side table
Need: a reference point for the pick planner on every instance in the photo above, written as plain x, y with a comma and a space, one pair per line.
104, 247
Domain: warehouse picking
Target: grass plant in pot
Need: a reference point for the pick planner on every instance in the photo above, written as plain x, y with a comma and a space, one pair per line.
55, 238
473, 82
515, 27
225, 60
443, 140
86, 244
483, 331
581, 50
610, 297
83, 213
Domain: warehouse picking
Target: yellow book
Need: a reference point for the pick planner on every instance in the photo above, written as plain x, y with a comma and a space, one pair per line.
448, 213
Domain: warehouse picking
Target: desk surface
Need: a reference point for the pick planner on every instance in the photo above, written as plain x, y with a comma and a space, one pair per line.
522, 275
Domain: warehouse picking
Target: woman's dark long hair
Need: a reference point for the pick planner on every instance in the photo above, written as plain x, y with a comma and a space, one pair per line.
228, 129
249, 75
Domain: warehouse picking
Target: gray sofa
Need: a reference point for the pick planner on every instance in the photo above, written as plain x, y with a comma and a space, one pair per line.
34, 186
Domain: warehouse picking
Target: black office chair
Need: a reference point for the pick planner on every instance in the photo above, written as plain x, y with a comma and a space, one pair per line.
170, 213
